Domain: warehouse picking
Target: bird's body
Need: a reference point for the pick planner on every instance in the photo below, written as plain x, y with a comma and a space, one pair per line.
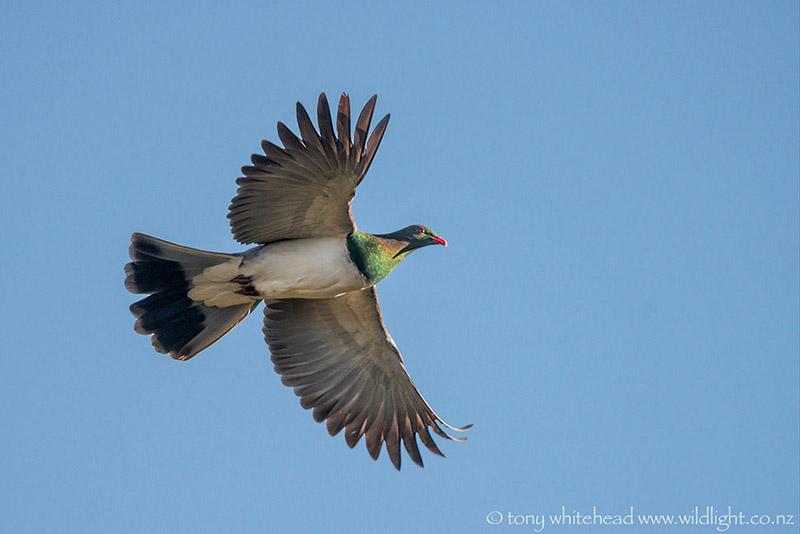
316, 274
313, 268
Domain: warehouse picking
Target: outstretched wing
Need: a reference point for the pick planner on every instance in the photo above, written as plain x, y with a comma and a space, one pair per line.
341, 361
304, 189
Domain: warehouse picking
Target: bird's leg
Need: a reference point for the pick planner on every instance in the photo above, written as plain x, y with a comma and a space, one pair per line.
246, 282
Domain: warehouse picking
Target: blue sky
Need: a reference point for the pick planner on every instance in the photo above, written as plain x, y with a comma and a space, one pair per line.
617, 312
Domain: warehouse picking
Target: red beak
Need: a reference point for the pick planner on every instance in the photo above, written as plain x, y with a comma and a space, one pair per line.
439, 240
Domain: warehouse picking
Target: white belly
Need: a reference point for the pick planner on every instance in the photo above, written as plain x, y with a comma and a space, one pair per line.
314, 268
304, 268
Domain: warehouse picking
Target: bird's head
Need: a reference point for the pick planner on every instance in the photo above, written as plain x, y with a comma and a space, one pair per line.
417, 236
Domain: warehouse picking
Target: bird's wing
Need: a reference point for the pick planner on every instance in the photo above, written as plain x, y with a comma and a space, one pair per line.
341, 361
304, 189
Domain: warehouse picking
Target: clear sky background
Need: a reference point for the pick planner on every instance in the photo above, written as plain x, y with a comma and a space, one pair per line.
617, 312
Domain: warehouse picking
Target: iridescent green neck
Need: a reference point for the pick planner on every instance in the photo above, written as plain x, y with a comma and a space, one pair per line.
375, 256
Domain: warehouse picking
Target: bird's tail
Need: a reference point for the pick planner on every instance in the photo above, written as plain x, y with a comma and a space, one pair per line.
181, 327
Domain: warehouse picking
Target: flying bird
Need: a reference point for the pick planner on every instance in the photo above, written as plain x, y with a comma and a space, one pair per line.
316, 274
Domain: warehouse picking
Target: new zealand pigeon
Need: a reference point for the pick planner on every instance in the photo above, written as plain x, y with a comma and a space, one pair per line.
315, 273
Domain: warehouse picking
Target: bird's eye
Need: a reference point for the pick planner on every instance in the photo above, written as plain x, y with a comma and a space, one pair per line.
420, 231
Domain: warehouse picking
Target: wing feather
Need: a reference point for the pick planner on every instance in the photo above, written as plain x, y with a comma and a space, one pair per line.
310, 137
327, 136
373, 436
344, 142
410, 441
362, 126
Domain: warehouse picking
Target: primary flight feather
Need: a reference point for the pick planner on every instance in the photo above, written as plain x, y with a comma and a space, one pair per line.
315, 272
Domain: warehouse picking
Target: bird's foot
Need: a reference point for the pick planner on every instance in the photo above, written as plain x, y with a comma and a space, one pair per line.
246, 282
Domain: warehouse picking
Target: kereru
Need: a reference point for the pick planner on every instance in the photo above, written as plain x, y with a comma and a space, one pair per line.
315, 273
